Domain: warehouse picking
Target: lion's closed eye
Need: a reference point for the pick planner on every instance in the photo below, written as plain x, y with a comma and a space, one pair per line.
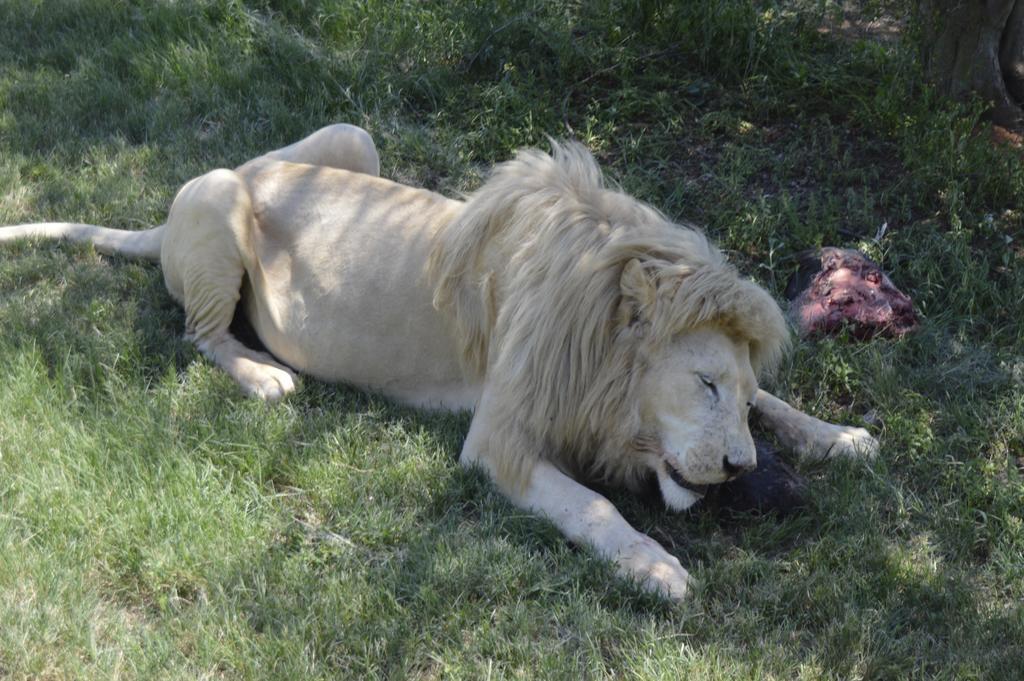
709, 384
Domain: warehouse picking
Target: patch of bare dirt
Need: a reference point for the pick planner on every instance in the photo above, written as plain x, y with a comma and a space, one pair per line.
852, 23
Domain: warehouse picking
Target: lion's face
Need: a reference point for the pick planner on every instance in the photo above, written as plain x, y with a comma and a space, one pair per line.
695, 398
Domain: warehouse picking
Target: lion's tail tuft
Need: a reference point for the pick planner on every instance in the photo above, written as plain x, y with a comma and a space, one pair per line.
144, 244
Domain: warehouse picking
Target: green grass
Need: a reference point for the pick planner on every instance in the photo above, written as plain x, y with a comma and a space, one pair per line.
155, 524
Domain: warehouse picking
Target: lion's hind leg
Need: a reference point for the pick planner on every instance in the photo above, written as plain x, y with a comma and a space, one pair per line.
206, 250
256, 372
341, 145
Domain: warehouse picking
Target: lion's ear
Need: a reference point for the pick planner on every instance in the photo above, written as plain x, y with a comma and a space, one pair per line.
638, 294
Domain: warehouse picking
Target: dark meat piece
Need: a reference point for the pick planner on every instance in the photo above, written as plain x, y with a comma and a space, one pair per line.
837, 287
774, 486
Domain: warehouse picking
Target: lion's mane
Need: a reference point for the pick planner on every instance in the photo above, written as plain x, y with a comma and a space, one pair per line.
529, 273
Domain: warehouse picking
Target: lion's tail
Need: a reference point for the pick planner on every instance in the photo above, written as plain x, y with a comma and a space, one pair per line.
144, 244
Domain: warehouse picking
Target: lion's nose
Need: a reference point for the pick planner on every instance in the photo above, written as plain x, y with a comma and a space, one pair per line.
734, 468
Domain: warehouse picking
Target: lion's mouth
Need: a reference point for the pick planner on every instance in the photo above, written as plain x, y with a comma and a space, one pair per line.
678, 478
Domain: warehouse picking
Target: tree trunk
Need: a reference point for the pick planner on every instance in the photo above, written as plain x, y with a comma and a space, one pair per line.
1011, 53
976, 46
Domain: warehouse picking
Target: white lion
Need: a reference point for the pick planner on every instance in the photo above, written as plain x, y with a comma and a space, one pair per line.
592, 337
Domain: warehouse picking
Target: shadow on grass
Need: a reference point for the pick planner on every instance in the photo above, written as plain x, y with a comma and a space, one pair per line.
90, 317
216, 80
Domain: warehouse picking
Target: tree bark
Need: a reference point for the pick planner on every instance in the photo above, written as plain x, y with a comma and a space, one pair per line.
1011, 53
976, 46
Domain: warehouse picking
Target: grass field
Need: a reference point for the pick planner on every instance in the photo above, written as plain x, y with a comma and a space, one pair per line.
156, 524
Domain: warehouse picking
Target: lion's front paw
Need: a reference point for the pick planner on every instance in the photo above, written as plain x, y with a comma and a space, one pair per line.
850, 442
655, 568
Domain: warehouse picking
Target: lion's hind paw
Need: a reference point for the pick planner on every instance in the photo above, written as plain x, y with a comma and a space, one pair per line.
273, 385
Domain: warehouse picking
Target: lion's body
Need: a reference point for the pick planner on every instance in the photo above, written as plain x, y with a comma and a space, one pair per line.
590, 335
338, 286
